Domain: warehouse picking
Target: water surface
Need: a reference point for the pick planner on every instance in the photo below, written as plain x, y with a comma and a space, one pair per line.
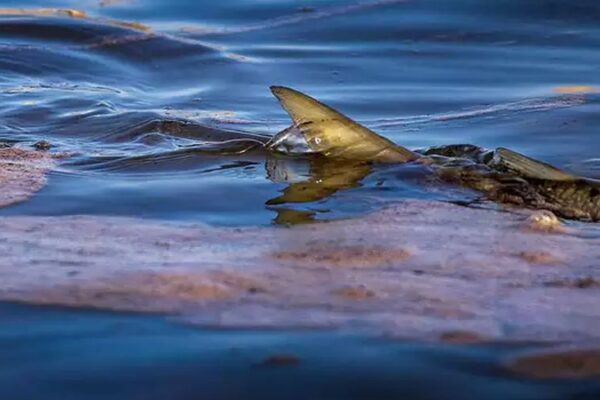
160, 105
53, 353
142, 93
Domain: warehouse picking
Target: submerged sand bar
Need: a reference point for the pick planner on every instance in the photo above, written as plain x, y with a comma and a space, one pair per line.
420, 269
22, 173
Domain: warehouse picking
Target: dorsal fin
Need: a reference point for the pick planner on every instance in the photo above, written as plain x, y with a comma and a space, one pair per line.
334, 135
303, 108
529, 167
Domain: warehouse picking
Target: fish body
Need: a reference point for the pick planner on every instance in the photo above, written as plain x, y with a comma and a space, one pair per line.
486, 171
579, 199
502, 175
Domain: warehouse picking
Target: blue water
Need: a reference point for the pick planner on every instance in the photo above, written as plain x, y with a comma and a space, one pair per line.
59, 354
152, 114
422, 73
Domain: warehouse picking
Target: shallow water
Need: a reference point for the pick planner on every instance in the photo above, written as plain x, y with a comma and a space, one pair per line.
120, 356
144, 106
161, 120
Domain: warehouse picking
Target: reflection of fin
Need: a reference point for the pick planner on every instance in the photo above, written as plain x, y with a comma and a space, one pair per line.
326, 177
289, 216
334, 135
528, 167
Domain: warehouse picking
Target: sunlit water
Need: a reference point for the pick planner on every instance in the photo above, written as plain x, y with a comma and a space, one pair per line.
157, 116
141, 106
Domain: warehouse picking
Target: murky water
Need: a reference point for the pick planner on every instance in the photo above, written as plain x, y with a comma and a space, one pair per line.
145, 107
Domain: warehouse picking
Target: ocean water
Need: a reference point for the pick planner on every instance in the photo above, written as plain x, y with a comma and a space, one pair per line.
154, 99
60, 354
161, 107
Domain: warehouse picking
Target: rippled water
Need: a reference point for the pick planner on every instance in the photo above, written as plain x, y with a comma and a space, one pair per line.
160, 105
142, 92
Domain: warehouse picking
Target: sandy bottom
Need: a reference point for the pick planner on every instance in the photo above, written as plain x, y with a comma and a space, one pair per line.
424, 270
22, 173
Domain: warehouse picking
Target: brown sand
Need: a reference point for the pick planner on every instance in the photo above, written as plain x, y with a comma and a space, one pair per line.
330, 254
280, 360
22, 173
72, 13
465, 271
558, 363
44, 12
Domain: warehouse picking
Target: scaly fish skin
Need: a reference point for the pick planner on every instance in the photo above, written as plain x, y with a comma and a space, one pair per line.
474, 167
578, 199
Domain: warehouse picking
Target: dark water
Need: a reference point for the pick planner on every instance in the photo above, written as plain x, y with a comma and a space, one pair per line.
59, 354
144, 107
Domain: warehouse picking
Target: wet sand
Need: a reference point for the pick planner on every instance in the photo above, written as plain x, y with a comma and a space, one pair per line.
22, 173
416, 270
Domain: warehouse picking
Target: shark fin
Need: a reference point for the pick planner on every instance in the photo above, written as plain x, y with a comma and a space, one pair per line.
529, 167
334, 135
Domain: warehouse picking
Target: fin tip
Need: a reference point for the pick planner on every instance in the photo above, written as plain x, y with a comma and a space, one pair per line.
276, 89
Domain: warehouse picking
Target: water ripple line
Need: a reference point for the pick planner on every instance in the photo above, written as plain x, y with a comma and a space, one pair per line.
527, 105
302, 17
